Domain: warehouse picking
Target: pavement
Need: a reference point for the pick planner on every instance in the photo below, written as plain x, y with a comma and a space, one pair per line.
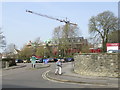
28, 65
69, 76
14, 67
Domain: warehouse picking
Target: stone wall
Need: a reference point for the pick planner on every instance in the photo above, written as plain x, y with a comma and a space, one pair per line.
97, 64
7, 62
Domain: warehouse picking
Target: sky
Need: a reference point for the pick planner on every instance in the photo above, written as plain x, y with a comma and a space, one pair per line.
19, 27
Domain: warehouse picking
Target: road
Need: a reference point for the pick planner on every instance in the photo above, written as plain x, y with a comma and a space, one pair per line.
31, 78
26, 77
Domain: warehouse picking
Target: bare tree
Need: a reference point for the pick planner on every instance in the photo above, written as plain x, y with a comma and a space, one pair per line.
113, 37
62, 36
10, 50
10, 47
2, 40
101, 25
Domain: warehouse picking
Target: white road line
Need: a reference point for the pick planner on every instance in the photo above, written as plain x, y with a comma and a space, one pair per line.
44, 77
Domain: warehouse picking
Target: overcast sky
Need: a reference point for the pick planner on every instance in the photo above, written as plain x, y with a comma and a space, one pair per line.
19, 27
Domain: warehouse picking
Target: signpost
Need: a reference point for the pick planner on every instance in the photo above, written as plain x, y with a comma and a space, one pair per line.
113, 46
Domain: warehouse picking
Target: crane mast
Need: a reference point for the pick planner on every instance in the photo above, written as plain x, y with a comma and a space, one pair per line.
65, 21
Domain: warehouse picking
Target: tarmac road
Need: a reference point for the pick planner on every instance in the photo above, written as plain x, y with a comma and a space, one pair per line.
27, 77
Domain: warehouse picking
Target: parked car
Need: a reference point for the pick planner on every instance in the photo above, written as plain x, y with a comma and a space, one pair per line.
28, 61
113, 51
62, 59
40, 60
25, 61
50, 59
19, 61
45, 60
55, 59
69, 59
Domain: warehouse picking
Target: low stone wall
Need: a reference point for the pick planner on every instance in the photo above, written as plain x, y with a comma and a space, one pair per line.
97, 64
7, 62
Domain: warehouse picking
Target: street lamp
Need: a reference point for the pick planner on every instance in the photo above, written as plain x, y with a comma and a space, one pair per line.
48, 46
59, 53
44, 51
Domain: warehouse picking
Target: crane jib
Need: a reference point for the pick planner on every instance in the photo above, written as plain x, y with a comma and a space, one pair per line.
65, 21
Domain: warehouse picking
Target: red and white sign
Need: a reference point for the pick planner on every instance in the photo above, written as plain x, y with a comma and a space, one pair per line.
113, 46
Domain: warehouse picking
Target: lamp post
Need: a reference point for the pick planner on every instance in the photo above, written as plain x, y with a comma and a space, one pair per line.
47, 44
59, 53
44, 51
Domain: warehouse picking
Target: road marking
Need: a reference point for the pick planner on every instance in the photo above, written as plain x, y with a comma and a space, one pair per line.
44, 77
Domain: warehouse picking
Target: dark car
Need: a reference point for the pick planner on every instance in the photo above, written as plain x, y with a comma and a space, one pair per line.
40, 60
19, 61
50, 59
69, 59
55, 59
